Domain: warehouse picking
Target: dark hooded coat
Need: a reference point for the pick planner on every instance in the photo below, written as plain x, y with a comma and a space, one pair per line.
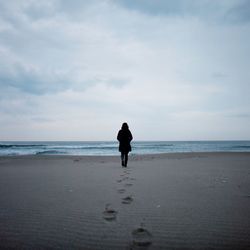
124, 137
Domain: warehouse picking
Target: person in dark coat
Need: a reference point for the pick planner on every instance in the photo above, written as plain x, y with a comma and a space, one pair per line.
124, 137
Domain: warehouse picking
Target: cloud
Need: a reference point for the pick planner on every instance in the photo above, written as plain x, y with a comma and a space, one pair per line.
42, 51
219, 75
38, 79
239, 13
65, 66
212, 11
15, 73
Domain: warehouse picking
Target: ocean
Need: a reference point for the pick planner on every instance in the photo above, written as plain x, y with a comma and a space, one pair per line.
111, 147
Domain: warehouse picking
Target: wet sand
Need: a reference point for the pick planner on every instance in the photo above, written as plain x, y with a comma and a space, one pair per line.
167, 201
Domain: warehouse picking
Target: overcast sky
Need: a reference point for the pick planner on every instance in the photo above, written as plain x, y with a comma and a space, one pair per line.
75, 70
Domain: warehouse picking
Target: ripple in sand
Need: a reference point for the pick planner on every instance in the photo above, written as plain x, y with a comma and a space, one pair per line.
127, 200
141, 237
109, 213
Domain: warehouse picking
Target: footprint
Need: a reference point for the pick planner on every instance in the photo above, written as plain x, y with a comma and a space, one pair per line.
109, 213
127, 200
128, 185
141, 237
121, 191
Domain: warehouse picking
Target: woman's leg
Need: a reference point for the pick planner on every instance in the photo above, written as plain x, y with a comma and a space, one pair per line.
125, 159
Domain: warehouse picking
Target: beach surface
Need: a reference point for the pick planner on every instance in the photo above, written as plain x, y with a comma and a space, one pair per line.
165, 201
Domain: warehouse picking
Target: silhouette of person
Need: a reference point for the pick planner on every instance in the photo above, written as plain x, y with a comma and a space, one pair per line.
124, 137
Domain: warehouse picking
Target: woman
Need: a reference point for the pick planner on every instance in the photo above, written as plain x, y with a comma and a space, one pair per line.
124, 137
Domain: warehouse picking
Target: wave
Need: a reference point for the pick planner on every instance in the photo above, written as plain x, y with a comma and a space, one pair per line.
21, 145
50, 152
241, 147
83, 147
152, 146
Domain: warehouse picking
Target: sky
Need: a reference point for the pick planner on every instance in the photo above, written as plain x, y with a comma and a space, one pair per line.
76, 70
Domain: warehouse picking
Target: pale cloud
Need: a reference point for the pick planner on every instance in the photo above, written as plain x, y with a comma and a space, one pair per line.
172, 69
221, 11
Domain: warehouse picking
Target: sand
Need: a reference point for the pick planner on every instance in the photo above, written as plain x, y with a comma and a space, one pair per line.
168, 201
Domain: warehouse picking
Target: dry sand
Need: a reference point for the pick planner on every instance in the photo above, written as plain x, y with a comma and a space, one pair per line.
169, 201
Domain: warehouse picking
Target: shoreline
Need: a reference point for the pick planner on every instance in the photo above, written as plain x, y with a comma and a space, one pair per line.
131, 155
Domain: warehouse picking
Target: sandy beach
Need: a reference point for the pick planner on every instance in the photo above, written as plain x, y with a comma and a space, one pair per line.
167, 201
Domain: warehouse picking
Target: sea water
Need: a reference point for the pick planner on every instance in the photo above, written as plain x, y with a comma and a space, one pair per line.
111, 147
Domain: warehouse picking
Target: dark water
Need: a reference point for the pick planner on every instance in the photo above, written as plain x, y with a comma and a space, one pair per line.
111, 147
